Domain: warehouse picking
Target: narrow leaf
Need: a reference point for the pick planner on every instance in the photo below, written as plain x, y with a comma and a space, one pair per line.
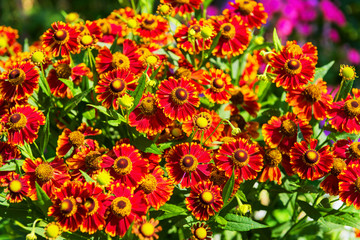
75, 101
137, 94
102, 109
241, 224
11, 166
114, 45
345, 219
86, 176
345, 88
146, 145
228, 188
43, 201
309, 210
45, 133
321, 71
276, 41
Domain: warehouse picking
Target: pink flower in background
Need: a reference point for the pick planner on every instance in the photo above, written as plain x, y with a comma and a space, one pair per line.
353, 56
212, 11
332, 13
272, 6
284, 27
334, 35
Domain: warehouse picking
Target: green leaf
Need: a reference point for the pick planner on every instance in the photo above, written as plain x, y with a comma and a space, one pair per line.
300, 136
86, 176
344, 219
45, 133
11, 166
309, 210
241, 224
70, 84
321, 71
212, 47
114, 45
241, 195
228, 188
43, 201
345, 88
26, 151
75, 101
44, 85
138, 93
276, 41
220, 220
167, 207
102, 109
264, 87
146, 145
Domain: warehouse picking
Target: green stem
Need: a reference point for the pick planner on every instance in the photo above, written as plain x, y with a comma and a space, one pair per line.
214, 130
134, 7
292, 227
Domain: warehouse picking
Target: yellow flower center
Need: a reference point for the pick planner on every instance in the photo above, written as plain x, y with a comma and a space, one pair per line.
195, 31
61, 36
227, 31
17, 76
202, 121
17, 121
207, 197
149, 23
72, 17
188, 163
240, 158
44, 172
218, 85
122, 165
15, 186
3, 41
93, 160
149, 184
117, 86
147, 229
164, 9
272, 157
38, 57
246, 7
338, 166
288, 128
92, 205
148, 106
352, 108
354, 149
294, 49
63, 70
311, 157
200, 233
176, 132
151, 60
357, 184
293, 66
120, 61
182, 72
348, 73
206, 32
68, 207
53, 230
86, 40
104, 178
76, 138
131, 23
312, 93
121, 207
179, 95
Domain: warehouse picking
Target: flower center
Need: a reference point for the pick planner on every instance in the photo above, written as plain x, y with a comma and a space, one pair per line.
246, 7
17, 76
118, 85
179, 95
311, 157
104, 178
293, 66
152, 60
288, 128
92, 205
149, 24
76, 138
207, 197
93, 160
86, 40
338, 166
218, 85
272, 157
3, 41
357, 184
176, 132
122, 165
195, 31
182, 72
148, 106
147, 229
61, 36
203, 121
149, 184
240, 158
200, 233
68, 207
121, 207
312, 93
15, 186
294, 49
218, 177
188, 163
348, 73
38, 57
354, 149
53, 230
17, 121
227, 31
63, 71
237, 98
120, 61
352, 108
44, 172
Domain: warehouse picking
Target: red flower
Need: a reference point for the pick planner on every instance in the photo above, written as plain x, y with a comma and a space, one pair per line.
125, 164
348, 150
151, 26
204, 200
246, 98
146, 230
349, 185
7, 152
331, 183
23, 123
19, 81
309, 163
271, 171
126, 207
181, 7
8, 37
114, 84
240, 155
17, 187
188, 164
61, 39
178, 98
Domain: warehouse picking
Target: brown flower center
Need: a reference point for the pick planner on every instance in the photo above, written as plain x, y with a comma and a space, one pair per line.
17, 76
218, 177
121, 207
217, 85
357, 184
227, 31
293, 66
246, 7
312, 93
149, 184
63, 70
237, 97
338, 166
288, 128
17, 121
61, 36
118, 86
240, 158
149, 24
76, 138
188, 163
179, 95
93, 160
44, 172
207, 197
182, 72
122, 165
239, 120
68, 207
120, 61
92, 205
272, 157
311, 157
148, 106
352, 108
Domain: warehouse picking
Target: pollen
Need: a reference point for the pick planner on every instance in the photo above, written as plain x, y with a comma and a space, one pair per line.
120, 61
53, 230
44, 172
179, 95
311, 157
61, 36
117, 85
312, 93
352, 108
338, 166
93, 160
121, 207
68, 207
227, 31
240, 158
272, 157
149, 184
17, 76
293, 66
63, 71
188, 163
38, 57
86, 40
288, 128
246, 6
76, 138
347, 72
17, 121
148, 106
122, 165
218, 85
200, 233
354, 150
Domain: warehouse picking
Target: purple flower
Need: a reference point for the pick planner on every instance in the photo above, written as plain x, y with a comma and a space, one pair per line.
353, 56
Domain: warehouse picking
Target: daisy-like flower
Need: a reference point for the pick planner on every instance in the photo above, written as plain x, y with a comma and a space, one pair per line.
347, 72
246, 98
126, 164
53, 230
331, 183
204, 200
311, 100
178, 98
19, 81
128, 59
61, 39
206, 125
157, 188
17, 187
49, 176
114, 84
67, 208
235, 36
96, 204
74, 139
349, 185
90, 34
126, 207
7, 152
188, 164
147, 117
242, 156
293, 68
22, 124
151, 26
251, 12
309, 163
8, 42
271, 171
281, 132
190, 37
348, 150
201, 231
182, 7
146, 230
220, 86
